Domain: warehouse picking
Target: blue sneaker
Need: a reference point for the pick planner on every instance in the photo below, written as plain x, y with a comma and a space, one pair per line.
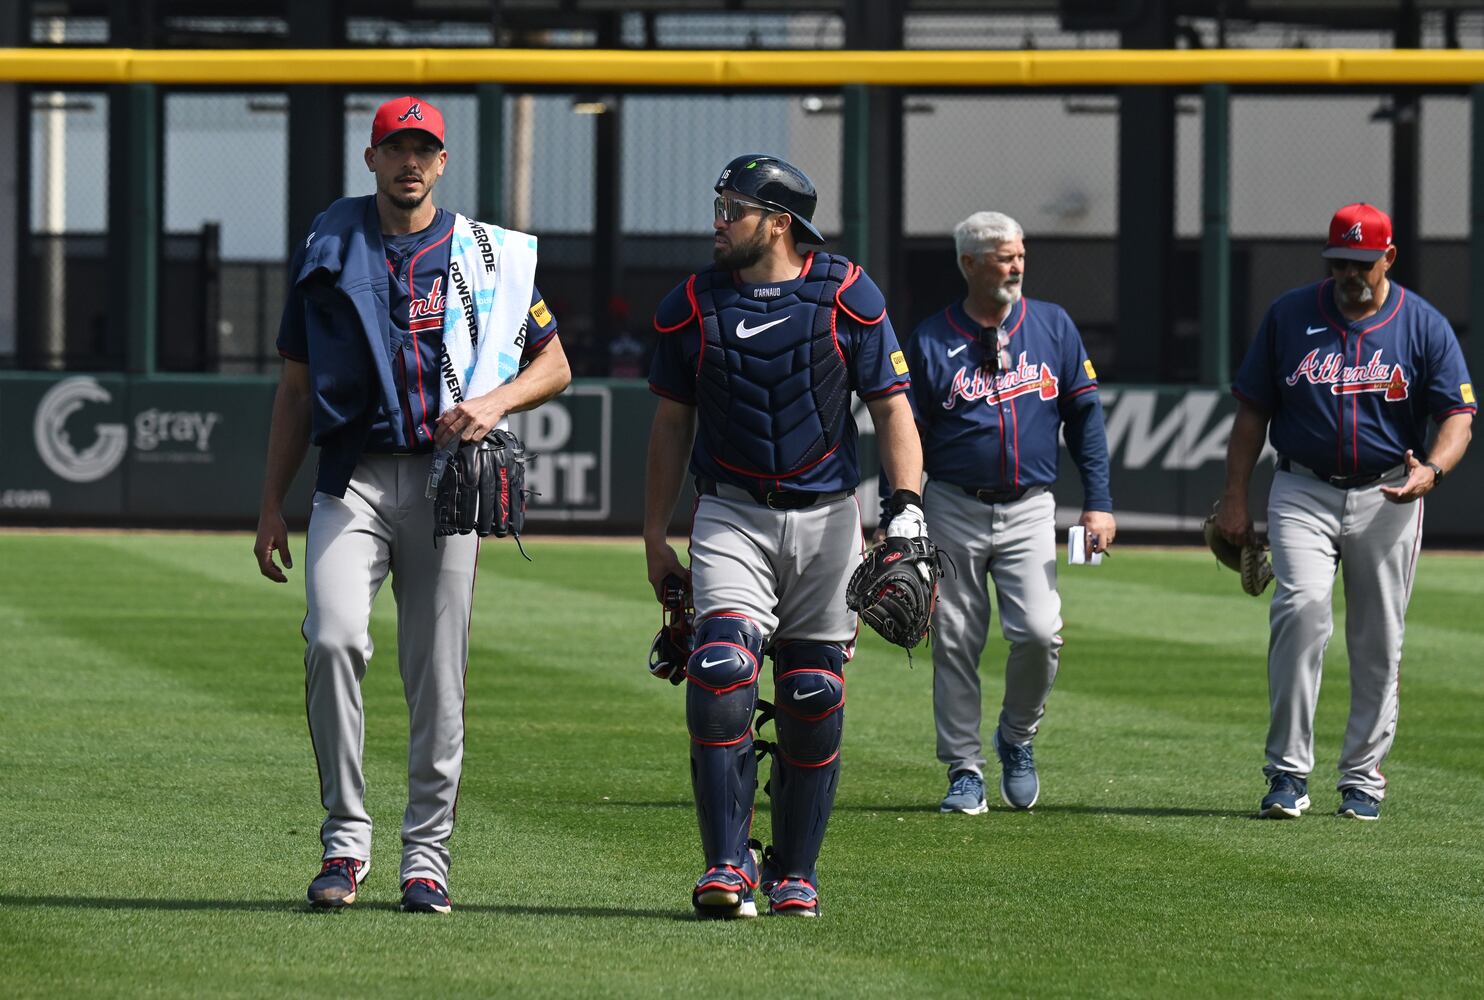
1019, 786
793, 897
724, 892
423, 895
965, 794
334, 888
1355, 804
1287, 798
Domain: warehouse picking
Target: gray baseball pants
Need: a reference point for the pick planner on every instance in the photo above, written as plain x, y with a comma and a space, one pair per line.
384, 525
1014, 544
786, 570
1313, 527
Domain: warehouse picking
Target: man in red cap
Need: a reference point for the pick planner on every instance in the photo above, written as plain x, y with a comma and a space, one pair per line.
1344, 375
380, 292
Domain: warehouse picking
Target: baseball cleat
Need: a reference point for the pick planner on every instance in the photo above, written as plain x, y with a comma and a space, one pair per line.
1287, 798
334, 888
1019, 786
793, 897
724, 892
423, 895
965, 794
1355, 804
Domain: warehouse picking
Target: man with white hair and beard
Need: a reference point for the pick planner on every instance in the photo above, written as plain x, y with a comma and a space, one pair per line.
995, 376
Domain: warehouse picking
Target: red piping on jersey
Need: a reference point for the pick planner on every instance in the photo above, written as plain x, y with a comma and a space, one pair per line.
1025, 307
1015, 429
1343, 329
416, 353
1438, 417
894, 387
948, 315
1086, 388
1000, 412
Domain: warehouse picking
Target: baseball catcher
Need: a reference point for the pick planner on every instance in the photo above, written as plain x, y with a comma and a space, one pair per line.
1249, 559
483, 489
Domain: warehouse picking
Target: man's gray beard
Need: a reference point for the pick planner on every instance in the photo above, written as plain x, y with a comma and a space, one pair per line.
1364, 297
1006, 295
738, 257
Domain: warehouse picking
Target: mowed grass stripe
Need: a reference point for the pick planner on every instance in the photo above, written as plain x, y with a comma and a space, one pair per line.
576, 840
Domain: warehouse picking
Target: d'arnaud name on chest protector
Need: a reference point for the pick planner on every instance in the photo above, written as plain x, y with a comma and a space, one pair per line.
772, 383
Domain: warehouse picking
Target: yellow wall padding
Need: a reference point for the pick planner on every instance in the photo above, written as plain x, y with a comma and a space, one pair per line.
727, 70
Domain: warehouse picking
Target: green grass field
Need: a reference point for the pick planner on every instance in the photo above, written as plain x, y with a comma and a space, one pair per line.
159, 807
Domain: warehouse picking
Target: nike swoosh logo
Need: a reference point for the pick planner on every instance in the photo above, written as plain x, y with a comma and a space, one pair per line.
716, 663
1315, 329
954, 353
745, 332
811, 694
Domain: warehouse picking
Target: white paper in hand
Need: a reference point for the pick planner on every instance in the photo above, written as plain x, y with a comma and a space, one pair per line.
1077, 548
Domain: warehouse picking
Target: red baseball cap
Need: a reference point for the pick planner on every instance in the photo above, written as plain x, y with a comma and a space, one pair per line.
403, 113
1358, 232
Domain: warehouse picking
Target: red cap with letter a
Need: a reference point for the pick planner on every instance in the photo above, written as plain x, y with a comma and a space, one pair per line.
1358, 232
403, 113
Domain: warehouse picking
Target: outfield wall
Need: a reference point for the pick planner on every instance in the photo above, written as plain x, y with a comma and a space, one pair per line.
188, 451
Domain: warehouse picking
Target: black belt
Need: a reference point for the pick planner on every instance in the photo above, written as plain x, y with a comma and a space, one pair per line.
772, 499
1350, 482
993, 497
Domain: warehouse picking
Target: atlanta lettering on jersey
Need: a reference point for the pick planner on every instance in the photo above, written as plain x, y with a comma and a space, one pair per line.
1021, 380
430, 305
1373, 376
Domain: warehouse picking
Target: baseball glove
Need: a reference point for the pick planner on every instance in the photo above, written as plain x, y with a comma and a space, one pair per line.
896, 588
483, 489
1249, 559
676, 639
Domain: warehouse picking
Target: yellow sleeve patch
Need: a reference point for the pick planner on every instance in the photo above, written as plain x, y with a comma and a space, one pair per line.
898, 362
1467, 390
540, 313
1087, 367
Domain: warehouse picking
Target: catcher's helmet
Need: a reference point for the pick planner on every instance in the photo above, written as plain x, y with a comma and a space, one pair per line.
776, 183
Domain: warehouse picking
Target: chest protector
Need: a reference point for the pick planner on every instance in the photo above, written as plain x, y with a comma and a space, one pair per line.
772, 383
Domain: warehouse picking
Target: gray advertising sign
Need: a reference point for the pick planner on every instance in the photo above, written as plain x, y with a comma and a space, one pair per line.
189, 450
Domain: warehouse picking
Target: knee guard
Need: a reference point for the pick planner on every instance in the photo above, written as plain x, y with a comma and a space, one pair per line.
721, 693
809, 701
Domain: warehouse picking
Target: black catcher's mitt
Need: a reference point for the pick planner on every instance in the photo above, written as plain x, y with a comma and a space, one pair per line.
1249, 559
483, 489
677, 635
896, 588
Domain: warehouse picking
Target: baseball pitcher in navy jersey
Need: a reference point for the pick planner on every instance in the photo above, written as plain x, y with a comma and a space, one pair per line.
1343, 375
362, 339
995, 378
761, 353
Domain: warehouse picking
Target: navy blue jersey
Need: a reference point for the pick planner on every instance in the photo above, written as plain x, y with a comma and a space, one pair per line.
417, 265
1348, 397
1000, 431
765, 342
